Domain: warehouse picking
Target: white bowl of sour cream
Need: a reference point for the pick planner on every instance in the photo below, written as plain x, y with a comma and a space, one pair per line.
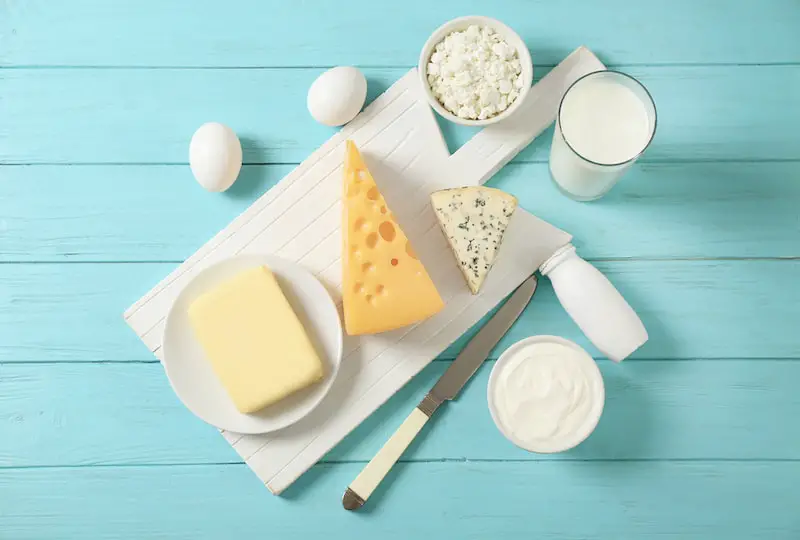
546, 394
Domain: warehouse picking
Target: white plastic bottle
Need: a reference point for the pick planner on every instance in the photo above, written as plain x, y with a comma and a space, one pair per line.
594, 304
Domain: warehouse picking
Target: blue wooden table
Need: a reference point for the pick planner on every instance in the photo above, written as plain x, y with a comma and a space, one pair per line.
701, 434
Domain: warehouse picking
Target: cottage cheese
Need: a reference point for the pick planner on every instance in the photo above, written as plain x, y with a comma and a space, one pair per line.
474, 73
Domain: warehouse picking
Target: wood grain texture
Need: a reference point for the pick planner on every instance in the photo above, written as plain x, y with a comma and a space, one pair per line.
692, 309
552, 500
687, 448
149, 115
112, 414
121, 213
319, 33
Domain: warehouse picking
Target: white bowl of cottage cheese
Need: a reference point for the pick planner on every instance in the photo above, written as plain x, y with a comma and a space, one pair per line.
475, 70
546, 394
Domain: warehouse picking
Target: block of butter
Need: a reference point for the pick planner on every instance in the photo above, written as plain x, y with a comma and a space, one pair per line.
254, 341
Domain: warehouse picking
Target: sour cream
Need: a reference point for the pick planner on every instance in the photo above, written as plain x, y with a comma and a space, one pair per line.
546, 394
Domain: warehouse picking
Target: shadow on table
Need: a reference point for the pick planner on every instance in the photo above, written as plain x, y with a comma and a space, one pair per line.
254, 178
627, 426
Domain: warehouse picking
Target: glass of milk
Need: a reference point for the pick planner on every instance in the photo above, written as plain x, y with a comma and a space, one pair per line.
605, 121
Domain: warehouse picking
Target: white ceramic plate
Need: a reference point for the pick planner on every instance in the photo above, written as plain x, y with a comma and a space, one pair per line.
191, 376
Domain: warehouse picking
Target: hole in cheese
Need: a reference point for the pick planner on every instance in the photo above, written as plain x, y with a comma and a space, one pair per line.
410, 251
386, 229
372, 240
380, 289
383, 209
358, 288
373, 193
360, 224
367, 267
368, 298
395, 262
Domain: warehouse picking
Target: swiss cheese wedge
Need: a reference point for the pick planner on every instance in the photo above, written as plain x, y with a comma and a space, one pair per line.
384, 285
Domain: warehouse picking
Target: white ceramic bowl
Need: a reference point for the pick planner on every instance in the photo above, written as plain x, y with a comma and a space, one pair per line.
462, 23
590, 421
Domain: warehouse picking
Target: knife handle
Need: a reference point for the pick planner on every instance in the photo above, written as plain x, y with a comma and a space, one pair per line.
371, 476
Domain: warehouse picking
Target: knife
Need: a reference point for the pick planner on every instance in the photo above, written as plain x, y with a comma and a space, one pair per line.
449, 384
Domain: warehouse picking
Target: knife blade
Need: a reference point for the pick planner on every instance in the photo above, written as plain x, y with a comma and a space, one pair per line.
446, 388
473, 355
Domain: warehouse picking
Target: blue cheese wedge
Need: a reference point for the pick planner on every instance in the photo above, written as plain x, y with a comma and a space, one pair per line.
474, 220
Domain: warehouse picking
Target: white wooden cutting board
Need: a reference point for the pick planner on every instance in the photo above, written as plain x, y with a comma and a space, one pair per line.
299, 220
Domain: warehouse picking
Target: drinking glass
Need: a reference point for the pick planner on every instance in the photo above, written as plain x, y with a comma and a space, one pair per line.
605, 121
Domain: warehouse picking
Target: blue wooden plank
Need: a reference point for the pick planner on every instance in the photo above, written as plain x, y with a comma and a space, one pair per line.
472, 500
275, 33
692, 309
149, 115
116, 414
661, 210
740, 105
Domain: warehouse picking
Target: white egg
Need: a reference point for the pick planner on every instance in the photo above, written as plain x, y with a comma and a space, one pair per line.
337, 96
215, 156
